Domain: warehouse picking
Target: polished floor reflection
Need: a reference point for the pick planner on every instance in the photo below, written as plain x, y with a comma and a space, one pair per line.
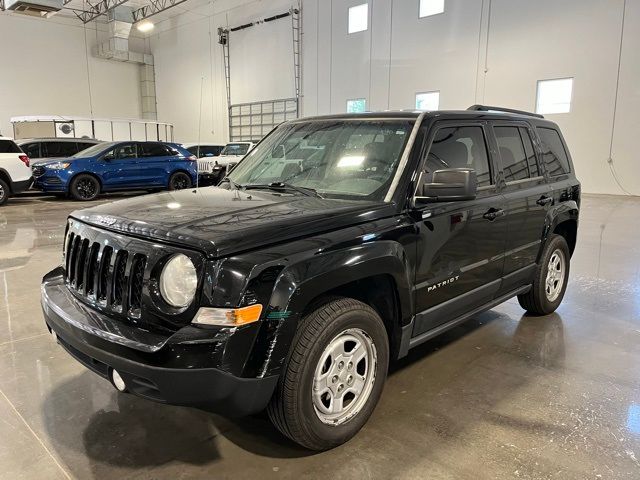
504, 396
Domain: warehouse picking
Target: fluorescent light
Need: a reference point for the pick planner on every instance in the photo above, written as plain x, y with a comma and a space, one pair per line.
145, 26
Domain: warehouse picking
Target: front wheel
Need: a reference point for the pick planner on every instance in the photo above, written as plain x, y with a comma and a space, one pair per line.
334, 375
84, 187
550, 282
179, 181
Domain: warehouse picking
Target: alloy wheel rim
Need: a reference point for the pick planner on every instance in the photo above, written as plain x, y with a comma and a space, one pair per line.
2, 193
555, 275
344, 376
179, 182
86, 188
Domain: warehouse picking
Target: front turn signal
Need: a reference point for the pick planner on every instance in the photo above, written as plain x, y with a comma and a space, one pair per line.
228, 317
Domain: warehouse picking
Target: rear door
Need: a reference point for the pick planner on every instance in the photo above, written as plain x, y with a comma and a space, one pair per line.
155, 163
461, 244
527, 196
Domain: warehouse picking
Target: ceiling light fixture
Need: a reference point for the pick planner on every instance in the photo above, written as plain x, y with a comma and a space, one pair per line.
145, 26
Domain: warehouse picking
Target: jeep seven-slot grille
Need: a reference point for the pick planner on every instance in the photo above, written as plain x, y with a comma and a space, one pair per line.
113, 279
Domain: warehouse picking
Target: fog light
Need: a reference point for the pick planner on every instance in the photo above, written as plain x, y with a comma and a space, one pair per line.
118, 381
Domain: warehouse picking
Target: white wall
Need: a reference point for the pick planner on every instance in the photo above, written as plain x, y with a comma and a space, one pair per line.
44, 72
189, 59
517, 41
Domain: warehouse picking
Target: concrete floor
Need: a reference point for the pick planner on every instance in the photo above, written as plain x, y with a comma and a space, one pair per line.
504, 396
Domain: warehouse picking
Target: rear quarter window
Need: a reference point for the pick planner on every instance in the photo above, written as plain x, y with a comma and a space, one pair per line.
554, 156
8, 146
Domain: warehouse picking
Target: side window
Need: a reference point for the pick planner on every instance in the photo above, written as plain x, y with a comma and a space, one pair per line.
32, 150
534, 171
152, 150
554, 155
59, 149
514, 159
460, 147
122, 151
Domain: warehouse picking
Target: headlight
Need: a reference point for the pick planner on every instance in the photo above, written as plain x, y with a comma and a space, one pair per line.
58, 165
178, 281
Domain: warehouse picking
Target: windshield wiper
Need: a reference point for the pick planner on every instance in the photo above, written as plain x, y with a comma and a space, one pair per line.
282, 186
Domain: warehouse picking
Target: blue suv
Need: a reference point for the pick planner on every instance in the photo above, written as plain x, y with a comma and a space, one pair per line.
114, 166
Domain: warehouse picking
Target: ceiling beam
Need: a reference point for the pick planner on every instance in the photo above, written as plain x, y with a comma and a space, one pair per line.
156, 6
100, 8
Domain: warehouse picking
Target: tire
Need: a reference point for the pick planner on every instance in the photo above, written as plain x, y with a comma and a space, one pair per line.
345, 323
4, 192
179, 181
84, 187
547, 290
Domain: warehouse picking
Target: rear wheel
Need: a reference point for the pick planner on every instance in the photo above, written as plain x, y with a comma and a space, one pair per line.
334, 375
179, 181
550, 280
84, 187
4, 192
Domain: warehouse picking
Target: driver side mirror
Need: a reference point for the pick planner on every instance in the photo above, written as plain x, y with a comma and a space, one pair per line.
109, 157
448, 185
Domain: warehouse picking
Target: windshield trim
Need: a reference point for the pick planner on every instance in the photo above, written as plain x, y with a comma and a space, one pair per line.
405, 158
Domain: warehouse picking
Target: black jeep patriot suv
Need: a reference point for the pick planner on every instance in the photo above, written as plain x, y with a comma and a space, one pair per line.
334, 247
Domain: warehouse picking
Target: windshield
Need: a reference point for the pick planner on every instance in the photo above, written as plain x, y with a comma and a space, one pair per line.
337, 158
235, 149
94, 150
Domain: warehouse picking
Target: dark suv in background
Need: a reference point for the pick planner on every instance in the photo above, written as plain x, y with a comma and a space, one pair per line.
42, 148
334, 247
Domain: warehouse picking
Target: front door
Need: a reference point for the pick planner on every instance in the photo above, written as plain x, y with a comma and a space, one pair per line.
119, 167
461, 244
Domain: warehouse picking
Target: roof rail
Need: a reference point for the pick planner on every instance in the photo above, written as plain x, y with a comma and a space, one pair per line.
487, 108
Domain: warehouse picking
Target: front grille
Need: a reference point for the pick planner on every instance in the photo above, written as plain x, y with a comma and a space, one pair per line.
38, 171
110, 278
204, 166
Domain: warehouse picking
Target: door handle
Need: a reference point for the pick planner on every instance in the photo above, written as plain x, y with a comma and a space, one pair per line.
493, 213
544, 200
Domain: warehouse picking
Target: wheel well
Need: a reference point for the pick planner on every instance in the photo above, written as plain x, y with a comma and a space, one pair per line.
380, 293
569, 230
181, 170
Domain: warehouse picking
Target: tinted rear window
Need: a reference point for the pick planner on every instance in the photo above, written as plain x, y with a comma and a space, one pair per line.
514, 158
8, 146
554, 155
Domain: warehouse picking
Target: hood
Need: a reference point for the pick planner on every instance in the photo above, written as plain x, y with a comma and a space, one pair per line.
222, 222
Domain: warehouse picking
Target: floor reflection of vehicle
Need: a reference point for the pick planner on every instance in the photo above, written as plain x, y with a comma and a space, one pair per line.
16, 245
541, 339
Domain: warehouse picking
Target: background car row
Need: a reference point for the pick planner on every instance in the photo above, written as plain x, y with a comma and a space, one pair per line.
83, 168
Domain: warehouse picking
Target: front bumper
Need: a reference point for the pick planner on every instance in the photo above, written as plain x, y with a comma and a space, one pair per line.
149, 363
210, 178
50, 183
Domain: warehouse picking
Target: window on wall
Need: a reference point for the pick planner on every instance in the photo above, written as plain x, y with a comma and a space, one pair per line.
358, 18
554, 96
431, 7
428, 101
357, 105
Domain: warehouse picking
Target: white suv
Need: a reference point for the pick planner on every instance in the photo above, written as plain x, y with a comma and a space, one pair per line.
211, 171
15, 174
